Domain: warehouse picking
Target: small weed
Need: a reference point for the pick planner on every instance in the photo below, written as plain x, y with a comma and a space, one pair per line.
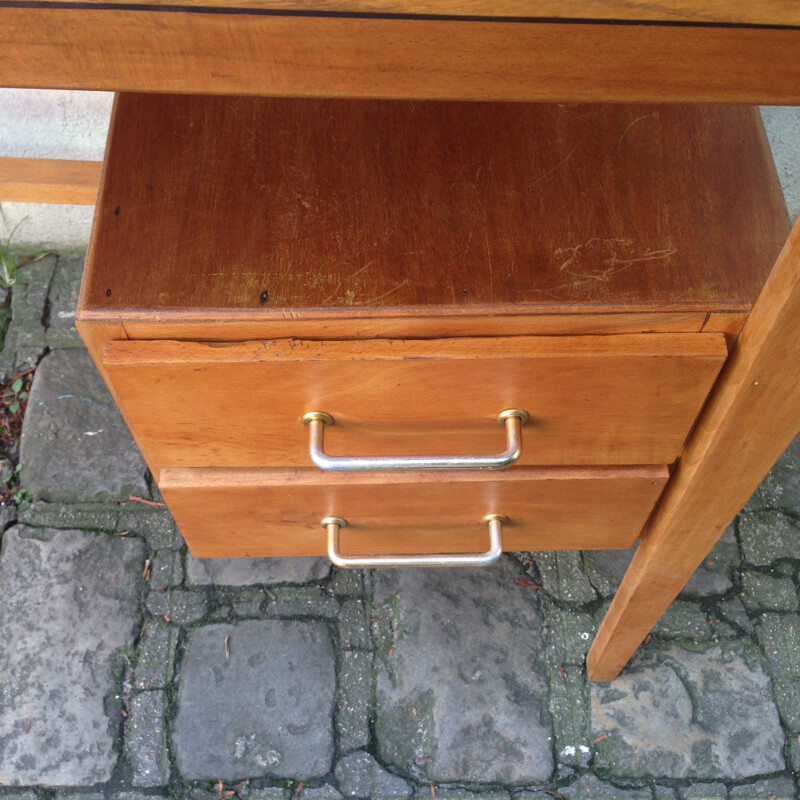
13, 491
13, 400
10, 264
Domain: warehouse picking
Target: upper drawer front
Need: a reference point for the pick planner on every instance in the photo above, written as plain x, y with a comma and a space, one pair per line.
628, 399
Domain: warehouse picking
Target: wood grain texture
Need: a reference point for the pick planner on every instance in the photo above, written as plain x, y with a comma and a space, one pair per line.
724, 12
627, 399
42, 180
223, 326
279, 511
169, 50
96, 336
751, 418
309, 207
730, 324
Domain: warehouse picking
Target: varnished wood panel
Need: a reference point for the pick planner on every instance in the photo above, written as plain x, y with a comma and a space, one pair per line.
763, 12
729, 324
296, 207
42, 180
170, 50
481, 322
627, 399
751, 418
279, 511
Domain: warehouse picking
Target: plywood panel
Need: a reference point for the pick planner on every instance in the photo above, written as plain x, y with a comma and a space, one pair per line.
293, 208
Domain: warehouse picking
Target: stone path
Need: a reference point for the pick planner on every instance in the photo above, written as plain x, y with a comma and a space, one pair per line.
130, 670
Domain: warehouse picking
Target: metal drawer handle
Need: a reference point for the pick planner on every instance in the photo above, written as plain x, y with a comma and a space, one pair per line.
316, 421
494, 521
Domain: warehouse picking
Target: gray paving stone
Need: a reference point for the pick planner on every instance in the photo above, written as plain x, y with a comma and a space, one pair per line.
302, 601
127, 795
72, 795
146, 740
166, 569
779, 636
563, 577
455, 793
676, 713
767, 536
347, 582
155, 656
664, 793
605, 568
8, 516
75, 445
248, 601
360, 775
86, 516
704, 791
6, 470
354, 692
268, 793
68, 604
179, 606
781, 487
62, 303
683, 619
794, 752
592, 787
761, 591
569, 707
713, 576
154, 524
782, 788
249, 571
262, 706
733, 611
25, 338
460, 679
569, 634
354, 631
325, 792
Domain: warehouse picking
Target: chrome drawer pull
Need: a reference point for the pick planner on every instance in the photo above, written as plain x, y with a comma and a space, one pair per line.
494, 521
316, 421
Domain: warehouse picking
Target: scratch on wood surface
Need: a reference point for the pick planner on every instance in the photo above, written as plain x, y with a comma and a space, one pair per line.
631, 124
613, 262
385, 294
551, 171
491, 271
359, 271
592, 243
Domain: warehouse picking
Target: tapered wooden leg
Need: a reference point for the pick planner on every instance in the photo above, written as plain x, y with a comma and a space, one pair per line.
751, 418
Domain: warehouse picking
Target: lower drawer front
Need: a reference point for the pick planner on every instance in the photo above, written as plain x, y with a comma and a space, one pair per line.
225, 513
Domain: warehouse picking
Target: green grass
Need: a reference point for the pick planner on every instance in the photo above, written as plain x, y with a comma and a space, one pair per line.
11, 263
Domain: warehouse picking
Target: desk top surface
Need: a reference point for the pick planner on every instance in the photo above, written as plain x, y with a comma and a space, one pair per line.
718, 51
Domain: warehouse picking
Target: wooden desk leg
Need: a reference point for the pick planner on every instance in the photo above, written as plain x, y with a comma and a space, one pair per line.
751, 418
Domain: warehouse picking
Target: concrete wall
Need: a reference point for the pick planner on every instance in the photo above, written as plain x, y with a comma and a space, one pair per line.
55, 124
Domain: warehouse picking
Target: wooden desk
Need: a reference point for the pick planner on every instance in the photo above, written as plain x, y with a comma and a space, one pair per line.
676, 50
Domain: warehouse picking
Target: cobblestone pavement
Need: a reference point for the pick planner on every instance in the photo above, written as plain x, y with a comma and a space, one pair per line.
130, 670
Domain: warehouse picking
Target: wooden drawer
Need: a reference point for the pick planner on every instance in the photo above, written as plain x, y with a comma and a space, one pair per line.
278, 512
628, 399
